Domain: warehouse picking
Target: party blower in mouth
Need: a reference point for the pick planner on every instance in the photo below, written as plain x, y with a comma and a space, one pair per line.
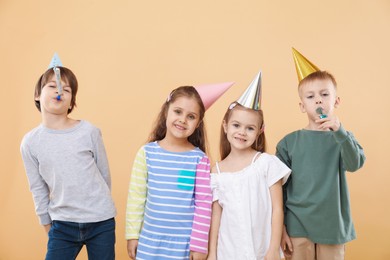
58, 82
319, 111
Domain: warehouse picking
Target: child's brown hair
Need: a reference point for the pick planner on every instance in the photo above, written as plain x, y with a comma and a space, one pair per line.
66, 75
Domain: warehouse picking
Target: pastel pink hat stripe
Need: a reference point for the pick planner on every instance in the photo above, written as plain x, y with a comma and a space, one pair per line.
211, 92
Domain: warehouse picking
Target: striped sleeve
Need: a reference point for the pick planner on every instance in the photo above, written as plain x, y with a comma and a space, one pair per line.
203, 200
136, 196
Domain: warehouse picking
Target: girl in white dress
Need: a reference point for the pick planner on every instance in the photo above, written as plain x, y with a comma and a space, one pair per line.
247, 217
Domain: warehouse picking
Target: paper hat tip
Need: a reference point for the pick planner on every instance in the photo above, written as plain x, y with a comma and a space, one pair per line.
55, 61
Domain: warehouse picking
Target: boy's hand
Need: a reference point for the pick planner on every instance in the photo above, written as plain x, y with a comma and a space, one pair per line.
132, 245
47, 228
197, 256
286, 244
331, 122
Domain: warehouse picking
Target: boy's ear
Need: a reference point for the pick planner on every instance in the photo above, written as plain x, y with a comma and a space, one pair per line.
337, 102
302, 107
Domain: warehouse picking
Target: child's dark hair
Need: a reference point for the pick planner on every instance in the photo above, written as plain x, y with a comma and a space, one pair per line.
224, 145
319, 75
198, 138
66, 75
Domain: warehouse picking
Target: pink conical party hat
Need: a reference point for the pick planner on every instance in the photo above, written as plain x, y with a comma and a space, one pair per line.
211, 92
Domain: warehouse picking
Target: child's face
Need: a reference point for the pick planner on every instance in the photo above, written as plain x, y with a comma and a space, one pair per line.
182, 118
48, 98
315, 94
242, 128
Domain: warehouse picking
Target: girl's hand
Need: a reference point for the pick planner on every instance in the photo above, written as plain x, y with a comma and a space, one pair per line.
132, 245
197, 256
331, 122
286, 243
272, 255
211, 256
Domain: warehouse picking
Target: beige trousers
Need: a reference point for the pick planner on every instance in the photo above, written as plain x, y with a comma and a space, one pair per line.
304, 249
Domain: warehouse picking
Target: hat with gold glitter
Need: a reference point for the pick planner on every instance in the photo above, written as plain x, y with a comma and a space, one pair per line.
303, 66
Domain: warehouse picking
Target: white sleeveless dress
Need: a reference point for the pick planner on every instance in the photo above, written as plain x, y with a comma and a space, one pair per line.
245, 228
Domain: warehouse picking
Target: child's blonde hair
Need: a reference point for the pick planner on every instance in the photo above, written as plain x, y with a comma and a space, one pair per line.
224, 145
318, 75
198, 138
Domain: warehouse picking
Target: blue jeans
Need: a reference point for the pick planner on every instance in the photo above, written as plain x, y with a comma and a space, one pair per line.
67, 238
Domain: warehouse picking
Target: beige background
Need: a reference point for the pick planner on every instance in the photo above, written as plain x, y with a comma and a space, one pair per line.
128, 55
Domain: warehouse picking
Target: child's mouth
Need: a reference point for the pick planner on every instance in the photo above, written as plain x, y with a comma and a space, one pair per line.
319, 111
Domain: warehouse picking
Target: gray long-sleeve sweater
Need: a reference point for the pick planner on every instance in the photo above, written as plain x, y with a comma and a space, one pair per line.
68, 174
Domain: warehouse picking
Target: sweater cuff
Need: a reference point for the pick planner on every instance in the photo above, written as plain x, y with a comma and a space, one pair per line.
341, 135
199, 249
131, 237
45, 219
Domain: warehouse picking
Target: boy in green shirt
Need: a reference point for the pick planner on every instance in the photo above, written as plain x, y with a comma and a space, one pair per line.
317, 210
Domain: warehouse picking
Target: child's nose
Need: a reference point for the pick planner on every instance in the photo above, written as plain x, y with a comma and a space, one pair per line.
182, 119
242, 132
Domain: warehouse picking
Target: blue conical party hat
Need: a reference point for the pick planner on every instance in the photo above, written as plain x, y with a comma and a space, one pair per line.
55, 61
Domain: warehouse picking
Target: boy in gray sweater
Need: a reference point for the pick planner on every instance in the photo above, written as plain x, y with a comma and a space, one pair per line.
68, 172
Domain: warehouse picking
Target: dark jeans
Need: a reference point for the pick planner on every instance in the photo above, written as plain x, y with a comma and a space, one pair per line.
67, 238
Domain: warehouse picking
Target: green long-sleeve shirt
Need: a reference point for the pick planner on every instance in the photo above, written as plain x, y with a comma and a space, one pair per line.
316, 196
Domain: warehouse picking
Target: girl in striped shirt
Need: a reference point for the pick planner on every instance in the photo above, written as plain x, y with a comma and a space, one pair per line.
169, 200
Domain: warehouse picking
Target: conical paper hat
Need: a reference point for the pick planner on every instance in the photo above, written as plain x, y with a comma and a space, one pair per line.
303, 66
209, 93
55, 61
251, 98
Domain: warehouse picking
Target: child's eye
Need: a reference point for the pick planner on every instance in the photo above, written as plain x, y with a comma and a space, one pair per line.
325, 94
309, 97
236, 125
192, 117
177, 111
251, 129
